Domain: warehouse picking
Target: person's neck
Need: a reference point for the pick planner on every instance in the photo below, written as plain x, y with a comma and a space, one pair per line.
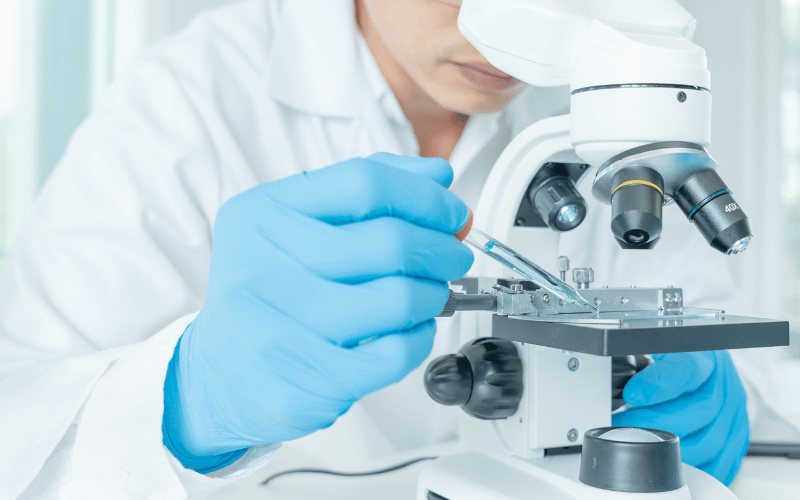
437, 129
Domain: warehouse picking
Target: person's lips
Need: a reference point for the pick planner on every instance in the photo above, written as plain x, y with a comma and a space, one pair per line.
486, 76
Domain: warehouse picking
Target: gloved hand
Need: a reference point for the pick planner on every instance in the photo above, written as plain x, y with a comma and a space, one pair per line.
699, 397
304, 270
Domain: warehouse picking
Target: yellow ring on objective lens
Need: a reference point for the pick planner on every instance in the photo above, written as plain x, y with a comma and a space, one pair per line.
645, 183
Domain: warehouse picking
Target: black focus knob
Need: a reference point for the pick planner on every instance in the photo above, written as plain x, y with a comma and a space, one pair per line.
631, 460
484, 378
448, 380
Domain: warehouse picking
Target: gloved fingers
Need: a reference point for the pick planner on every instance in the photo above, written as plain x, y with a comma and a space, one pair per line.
388, 359
362, 251
290, 382
435, 169
707, 440
391, 246
669, 377
343, 313
314, 366
357, 190
738, 445
719, 448
681, 416
707, 447
379, 307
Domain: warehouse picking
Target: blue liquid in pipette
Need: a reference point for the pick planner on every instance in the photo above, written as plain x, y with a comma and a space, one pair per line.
528, 269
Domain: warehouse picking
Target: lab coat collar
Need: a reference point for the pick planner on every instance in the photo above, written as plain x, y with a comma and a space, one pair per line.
314, 63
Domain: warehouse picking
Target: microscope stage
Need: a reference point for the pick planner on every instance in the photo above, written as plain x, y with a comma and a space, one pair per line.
616, 335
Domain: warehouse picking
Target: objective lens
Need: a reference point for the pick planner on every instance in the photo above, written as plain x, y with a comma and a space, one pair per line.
636, 202
740, 246
709, 205
636, 237
558, 203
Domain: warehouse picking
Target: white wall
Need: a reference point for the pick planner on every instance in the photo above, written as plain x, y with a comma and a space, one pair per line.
743, 43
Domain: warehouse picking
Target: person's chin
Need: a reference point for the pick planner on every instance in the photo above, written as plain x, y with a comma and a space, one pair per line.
470, 101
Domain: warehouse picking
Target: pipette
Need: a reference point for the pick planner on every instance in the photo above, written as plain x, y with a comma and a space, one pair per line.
519, 264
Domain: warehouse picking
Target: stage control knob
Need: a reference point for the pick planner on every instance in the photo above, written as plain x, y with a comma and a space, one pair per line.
582, 277
631, 460
484, 378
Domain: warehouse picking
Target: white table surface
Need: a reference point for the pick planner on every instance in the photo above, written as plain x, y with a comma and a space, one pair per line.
761, 478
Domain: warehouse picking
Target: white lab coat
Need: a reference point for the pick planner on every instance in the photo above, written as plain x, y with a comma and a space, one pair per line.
111, 263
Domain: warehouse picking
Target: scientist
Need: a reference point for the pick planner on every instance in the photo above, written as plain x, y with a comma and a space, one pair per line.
257, 128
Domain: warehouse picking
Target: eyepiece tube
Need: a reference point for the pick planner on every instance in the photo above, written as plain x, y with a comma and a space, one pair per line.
558, 203
709, 205
637, 199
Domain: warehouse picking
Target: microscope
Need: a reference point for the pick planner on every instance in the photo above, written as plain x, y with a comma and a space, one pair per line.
537, 377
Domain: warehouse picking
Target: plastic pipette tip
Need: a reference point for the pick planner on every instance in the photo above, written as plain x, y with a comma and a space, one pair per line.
464, 231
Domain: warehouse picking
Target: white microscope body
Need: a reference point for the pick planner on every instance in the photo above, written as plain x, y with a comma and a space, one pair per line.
640, 97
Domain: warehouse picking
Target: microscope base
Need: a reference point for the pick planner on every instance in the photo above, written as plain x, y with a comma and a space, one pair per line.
473, 475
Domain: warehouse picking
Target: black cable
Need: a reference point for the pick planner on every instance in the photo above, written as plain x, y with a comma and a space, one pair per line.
347, 474
786, 450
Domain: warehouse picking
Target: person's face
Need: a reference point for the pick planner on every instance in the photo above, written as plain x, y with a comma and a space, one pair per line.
423, 37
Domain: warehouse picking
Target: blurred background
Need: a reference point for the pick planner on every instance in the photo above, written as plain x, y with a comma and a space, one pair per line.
57, 57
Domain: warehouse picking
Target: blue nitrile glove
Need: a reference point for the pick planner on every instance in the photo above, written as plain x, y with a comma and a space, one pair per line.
699, 397
302, 271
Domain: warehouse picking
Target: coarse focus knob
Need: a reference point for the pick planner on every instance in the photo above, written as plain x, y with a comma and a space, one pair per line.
583, 276
448, 380
484, 378
631, 460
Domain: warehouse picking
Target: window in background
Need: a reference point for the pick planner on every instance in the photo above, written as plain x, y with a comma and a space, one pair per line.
61, 75
46, 86
9, 96
56, 59
790, 162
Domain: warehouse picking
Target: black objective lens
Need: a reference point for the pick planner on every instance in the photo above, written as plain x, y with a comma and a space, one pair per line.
636, 203
558, 203
709, 205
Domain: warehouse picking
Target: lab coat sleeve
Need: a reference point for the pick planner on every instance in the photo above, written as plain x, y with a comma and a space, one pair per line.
113, 449
116, 249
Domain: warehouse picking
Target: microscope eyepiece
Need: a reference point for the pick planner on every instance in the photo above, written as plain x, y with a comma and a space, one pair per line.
709, 205
569, 214
637, 199
558, 203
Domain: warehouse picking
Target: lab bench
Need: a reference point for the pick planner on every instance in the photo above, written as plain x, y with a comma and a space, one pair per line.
761, 478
